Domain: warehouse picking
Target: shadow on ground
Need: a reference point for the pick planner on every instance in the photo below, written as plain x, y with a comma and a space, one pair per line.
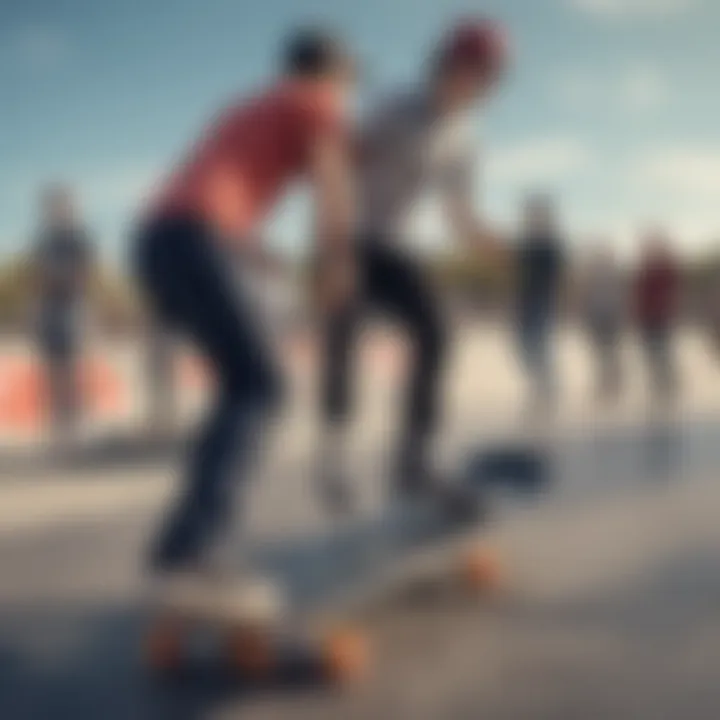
641, 649
80, 662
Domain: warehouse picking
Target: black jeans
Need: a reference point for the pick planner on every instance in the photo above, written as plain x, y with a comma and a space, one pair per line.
397, 286
657, 339
60, 348
605, 337
191, 291
535, 340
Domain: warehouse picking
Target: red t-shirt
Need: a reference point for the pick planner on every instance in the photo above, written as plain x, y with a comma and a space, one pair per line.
248, 157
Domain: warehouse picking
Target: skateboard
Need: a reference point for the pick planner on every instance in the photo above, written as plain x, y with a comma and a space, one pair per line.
324, 583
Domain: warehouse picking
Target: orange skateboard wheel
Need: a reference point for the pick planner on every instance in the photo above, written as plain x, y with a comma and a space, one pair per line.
481, 569
345, 656
252, 652
163, 648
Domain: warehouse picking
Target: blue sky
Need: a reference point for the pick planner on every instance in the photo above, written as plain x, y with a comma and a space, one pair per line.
613, 104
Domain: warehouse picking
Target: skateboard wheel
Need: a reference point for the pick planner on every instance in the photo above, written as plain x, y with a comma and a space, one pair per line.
345, 656
481, 570
252, 653
163, 647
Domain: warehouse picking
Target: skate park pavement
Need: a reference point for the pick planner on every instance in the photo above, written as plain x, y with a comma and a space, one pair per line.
610, 611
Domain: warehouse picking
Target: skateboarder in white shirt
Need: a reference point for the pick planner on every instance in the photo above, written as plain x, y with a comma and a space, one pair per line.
416, 141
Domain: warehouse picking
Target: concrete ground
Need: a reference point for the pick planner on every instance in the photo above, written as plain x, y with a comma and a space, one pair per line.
611, 609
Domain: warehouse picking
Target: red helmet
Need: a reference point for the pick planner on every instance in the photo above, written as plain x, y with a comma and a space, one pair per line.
480, 44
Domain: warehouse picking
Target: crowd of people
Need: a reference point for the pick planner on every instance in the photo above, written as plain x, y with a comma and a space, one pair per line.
608, 300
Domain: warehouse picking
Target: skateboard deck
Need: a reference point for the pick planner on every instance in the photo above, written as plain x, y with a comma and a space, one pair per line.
326, 581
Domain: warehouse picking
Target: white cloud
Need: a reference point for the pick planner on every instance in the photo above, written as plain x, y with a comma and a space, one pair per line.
685, 170
691, 234
538, 161
641, 87
115, 189
696, 231
677, 187
630, 8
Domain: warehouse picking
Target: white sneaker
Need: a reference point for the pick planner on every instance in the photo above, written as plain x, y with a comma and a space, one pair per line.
254, 599
248, 599
184, 592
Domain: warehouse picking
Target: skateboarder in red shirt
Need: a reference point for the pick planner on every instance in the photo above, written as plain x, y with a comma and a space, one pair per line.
212, 205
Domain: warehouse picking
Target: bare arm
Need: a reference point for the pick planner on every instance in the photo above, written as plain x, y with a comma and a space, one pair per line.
333, 196
471, 230
334, 215
459, 209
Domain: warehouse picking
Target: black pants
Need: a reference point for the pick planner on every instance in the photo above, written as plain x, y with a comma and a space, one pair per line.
60, 350
605, 336
397, 286
189, 289
64, 396
657, 339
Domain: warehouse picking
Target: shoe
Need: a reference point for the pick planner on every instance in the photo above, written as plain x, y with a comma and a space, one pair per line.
463, 502
199, 594
413, 479
250, 598
335, 491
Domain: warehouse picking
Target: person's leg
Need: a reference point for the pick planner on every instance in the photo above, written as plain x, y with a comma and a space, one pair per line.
545, 363
220, 462
524, 345
603, 341
57, 365
531, 351
62, 384
69, 390
651, 350
614, 361
653, 342
188, 284
648, 351
607, 361
338, 352
596, 348
665, 371
399, 286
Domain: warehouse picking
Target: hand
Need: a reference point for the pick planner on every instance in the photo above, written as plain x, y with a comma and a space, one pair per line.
270, 264
491, 244
276, 266
336, 285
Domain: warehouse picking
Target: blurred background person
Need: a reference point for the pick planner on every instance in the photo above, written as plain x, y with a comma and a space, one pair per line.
540, 270
713, 312
604, 307
657, 286
63, 261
